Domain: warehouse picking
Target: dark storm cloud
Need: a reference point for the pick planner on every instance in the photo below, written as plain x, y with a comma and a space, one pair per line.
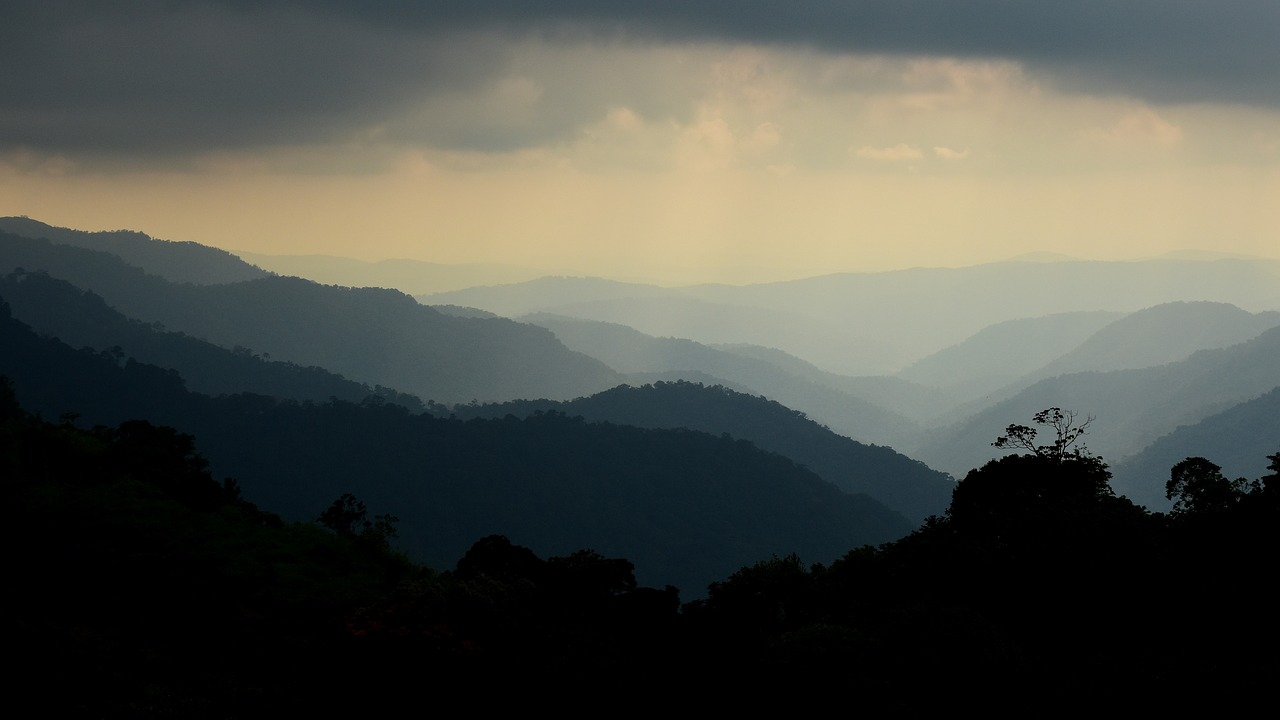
1164, 50
154, 77
171, 77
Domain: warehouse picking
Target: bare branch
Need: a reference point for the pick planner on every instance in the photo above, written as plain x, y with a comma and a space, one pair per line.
1067, 434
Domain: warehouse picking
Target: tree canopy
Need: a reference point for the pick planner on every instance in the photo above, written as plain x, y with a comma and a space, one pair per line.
1065, 445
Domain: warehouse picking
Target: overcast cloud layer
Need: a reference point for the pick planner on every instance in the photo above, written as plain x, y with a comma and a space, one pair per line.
174, 77
729, 141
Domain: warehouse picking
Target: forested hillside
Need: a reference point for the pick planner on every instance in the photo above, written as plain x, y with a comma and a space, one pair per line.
785, 379
163, 592
181, 262
905, 485
374, 336
686, 507
80, 318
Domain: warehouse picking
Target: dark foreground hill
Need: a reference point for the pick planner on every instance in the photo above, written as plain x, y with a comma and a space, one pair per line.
146, 589
143, 588
905, 485
686, 507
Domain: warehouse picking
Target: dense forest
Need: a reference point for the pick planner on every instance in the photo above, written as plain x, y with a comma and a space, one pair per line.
687, 507
141, 575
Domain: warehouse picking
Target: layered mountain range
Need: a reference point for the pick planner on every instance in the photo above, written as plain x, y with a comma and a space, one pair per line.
690, 429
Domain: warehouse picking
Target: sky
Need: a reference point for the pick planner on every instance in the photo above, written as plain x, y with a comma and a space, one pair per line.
671, 141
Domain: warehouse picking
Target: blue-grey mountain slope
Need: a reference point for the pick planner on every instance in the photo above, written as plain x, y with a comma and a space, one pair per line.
776, 376
903, 484
374, 336
1132, 408
923, 310
1145, 338
81, 319
990, 358
181, 262
677, 312
879, 323
1161, 334
1239, 439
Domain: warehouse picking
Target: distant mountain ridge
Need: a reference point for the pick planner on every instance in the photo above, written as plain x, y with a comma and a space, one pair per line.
180, 262
988, 359
409, 276
79, 318
1132, 408
1004, 359
374, 336
1161, 334
787, 380
905, 485
878, 323
678, 312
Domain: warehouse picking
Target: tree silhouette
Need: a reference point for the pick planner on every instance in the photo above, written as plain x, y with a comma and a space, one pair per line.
348, 518
1066, 444
1271, 483
1198, 486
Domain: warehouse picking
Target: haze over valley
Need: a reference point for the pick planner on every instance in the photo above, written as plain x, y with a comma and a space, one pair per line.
360, 355
1139, 355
